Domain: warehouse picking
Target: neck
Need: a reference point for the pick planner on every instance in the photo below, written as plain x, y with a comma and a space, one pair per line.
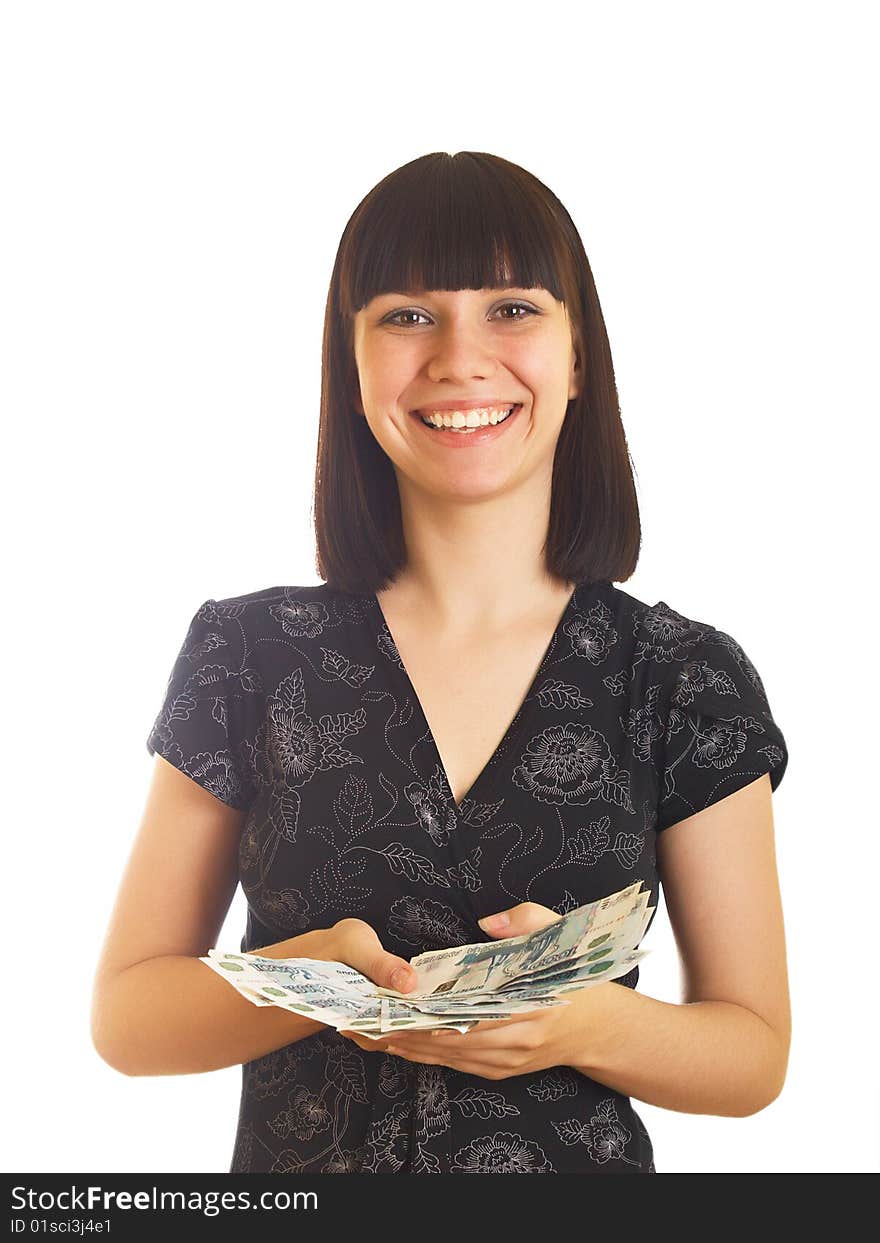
477, 564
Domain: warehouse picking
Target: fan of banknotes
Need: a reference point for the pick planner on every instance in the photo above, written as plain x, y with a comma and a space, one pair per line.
457, 986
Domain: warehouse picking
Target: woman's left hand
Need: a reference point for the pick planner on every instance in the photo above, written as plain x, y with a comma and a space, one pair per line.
501, 1048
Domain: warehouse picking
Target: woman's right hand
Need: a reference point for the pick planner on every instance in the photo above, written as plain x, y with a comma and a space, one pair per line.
354, 942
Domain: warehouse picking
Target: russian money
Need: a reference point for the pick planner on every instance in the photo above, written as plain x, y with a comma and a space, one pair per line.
458, 986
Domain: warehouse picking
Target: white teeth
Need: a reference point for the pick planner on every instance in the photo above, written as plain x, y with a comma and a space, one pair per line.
458, 419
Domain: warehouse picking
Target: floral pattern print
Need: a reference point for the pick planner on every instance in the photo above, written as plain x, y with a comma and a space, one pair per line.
292, 705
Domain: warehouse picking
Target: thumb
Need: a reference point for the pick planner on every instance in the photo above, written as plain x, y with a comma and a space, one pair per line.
518, 920
355, 942
401, 976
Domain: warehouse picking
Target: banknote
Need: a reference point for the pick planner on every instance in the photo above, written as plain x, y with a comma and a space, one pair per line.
490, 965
357, 1012
458, 986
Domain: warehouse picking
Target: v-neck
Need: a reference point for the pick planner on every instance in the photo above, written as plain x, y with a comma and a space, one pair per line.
512, 728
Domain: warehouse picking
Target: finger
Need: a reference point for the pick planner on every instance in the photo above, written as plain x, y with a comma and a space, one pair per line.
522, 1016
486, 1039
364, 1042
357, 943
518, 920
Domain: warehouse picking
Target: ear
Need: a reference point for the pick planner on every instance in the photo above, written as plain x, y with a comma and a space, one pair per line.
575, 375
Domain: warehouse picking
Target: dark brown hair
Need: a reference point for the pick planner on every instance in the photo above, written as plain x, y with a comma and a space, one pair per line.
468, 221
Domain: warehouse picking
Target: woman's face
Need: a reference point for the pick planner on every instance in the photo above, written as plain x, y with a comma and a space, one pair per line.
461, 349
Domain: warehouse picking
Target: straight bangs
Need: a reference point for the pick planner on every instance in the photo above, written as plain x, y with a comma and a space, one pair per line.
448, 223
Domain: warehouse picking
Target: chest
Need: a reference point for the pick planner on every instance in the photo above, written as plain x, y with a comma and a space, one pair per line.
471, 691
375, 724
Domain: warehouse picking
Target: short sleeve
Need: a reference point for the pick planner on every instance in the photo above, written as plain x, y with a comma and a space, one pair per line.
720, 732
205, 725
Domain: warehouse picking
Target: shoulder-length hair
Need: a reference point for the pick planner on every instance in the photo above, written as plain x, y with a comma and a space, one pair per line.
468, 221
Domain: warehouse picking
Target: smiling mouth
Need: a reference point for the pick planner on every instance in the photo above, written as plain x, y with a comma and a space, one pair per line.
465, 422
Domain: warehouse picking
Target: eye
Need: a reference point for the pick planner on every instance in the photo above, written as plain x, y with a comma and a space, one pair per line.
395, 318
520, 306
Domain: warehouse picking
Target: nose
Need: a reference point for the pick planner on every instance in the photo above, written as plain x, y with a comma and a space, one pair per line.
461, 352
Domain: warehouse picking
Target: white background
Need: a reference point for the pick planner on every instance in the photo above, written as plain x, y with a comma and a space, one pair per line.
177, 178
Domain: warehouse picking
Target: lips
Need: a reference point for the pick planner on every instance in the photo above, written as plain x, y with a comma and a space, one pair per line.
483, 403
466, 437
461, 418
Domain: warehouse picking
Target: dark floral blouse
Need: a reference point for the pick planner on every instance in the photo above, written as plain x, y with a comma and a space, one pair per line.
292, 704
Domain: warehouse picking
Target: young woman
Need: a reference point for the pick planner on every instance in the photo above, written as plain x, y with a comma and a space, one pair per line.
465, 719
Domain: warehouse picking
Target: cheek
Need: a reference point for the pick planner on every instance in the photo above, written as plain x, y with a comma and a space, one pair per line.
542, 361
389, 370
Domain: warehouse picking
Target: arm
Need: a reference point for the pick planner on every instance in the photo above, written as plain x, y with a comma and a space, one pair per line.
157, 1010
173, 1015
724, 1050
